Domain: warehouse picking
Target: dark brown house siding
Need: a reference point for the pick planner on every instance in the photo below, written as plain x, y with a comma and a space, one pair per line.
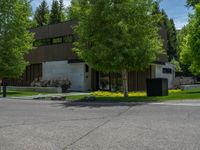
32, 72
136, 79
56, 52
54, 30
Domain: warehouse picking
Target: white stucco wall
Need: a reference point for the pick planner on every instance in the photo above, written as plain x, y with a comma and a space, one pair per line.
158, 73
75, 72
55, 70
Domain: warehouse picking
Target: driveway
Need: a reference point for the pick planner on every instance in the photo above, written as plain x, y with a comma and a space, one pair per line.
39, 125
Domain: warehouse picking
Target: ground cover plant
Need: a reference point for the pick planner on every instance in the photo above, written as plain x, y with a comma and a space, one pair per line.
104, 96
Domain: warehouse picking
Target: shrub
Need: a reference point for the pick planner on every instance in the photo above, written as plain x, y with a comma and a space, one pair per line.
65, 84
120, 94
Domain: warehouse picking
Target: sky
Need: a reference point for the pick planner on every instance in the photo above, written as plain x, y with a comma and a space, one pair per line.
175, 9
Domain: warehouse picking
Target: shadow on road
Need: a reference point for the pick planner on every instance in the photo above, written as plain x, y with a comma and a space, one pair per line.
99, 104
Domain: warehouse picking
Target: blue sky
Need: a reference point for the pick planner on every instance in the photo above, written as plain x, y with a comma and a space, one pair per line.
174, 8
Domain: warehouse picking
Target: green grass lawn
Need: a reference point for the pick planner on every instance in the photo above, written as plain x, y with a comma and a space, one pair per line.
174, 95
22, 93
117, 97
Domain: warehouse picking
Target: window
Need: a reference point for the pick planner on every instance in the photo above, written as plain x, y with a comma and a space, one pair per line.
86, 68
41, 42
57, 40
167, 70
68, 39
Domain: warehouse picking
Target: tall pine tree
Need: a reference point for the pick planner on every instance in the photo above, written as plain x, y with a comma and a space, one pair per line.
55, 16
172, 40
172, 44
57, 12
62, 10
41, 16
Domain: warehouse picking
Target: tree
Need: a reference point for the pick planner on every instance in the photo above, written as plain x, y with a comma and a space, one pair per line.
42, 14
172, 43
190, 53
55, 16
192, 3
62, 10
57, 12
172, 40
176, 64
156, 8
15, 39
116, 36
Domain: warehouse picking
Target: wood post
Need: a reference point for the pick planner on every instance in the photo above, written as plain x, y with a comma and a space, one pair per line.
125, 82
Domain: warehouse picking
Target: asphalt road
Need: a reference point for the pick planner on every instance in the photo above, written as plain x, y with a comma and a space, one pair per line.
37, 125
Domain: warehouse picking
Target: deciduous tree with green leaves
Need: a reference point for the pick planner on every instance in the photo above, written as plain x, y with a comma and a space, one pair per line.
41, 15
190, 53
116, 36
192, 3
172, 40
15, 39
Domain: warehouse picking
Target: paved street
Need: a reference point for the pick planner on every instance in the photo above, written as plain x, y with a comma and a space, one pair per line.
39, 125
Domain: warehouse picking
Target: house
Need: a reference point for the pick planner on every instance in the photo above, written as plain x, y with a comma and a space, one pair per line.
53, 58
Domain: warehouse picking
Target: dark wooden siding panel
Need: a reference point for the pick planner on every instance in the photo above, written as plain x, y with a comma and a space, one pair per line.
95, 80
132, 81
54, 30
31, 73
142, 76
137, 80
57, 52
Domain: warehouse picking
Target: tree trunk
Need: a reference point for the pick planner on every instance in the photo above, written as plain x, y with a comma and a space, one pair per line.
125, 82
0, 85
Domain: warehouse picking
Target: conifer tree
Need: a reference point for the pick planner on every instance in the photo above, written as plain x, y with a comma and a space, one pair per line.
55, 16
41, 16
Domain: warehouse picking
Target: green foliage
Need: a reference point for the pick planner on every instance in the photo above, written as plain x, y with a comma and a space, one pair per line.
55, 16
172, 43
116, 35
15, 39
62, 11
181, 34
172, 40
41, 16
57, 12
176, 64
190, 53
192, 3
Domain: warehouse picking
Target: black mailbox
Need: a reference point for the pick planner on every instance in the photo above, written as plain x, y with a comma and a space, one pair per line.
157, 87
